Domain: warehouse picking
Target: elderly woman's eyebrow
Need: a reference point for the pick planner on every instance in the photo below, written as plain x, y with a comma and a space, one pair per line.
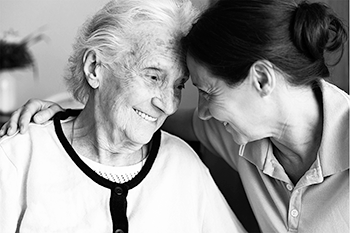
183, 76
153, 68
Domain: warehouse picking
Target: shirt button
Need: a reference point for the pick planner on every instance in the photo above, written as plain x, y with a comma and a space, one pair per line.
309, 176
118, 191
119, 231
289, 187
273, 163
294, 213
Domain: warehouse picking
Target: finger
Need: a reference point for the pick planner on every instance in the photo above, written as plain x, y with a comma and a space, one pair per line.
11, 126
46, 114
27, 112
3, 129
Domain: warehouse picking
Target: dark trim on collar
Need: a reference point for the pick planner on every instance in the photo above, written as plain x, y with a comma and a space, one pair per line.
119, 192
154, 147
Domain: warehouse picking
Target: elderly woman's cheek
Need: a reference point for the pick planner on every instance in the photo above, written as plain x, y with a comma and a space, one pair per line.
177, 99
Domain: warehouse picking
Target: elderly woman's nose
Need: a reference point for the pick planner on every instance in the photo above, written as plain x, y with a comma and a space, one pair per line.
203, 110
166, 102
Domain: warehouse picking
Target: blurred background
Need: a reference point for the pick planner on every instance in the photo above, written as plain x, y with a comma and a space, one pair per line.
59, 20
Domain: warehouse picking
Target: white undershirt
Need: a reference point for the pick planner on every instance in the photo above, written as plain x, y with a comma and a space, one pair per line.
115, 174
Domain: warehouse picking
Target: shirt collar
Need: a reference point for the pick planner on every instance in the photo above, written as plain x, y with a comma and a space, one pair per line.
334, 149
256, 152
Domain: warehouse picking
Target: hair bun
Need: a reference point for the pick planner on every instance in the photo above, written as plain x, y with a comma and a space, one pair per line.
311, 29
316, 29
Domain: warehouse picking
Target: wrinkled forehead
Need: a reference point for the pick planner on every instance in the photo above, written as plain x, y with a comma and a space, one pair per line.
152, 45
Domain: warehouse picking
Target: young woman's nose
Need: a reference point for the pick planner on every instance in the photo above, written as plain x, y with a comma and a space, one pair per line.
203, 110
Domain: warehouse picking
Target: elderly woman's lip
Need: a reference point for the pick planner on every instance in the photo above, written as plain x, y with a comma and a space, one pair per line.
145, 115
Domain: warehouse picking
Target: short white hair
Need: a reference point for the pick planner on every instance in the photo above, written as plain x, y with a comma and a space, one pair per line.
109, 30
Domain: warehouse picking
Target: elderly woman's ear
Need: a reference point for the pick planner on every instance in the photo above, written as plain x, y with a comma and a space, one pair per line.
91, 68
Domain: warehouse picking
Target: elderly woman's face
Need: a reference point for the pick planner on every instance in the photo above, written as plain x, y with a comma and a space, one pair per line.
138, 96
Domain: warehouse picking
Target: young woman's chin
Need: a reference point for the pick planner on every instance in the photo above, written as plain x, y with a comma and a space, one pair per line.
238, 138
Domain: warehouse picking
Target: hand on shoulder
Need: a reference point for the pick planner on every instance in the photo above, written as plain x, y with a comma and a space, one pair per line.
34, 110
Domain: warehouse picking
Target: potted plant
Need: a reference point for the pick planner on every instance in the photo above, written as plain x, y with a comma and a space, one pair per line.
14, 55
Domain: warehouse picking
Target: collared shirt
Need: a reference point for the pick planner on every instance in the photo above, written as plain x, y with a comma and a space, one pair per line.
319, 202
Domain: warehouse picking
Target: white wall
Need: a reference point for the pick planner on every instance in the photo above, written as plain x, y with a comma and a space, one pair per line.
60, 20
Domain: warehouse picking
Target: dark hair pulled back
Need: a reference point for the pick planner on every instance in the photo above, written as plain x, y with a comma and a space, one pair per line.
233, 34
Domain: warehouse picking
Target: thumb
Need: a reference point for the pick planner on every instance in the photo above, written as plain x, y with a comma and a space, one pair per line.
46, 114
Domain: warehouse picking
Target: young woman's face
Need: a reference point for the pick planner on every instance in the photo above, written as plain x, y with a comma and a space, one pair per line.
236, 107
137, 99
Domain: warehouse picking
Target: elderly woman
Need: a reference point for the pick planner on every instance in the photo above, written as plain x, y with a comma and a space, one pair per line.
109, 168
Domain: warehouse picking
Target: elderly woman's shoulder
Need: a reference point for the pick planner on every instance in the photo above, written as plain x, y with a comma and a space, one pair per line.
177, 147
173, 140
34, 133
17, 150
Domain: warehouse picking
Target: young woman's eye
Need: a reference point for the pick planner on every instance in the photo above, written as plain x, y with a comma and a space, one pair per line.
204, 94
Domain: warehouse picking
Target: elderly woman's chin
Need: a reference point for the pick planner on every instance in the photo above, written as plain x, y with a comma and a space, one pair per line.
143, 134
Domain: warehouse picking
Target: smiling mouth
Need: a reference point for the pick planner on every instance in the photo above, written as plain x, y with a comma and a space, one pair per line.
145, 116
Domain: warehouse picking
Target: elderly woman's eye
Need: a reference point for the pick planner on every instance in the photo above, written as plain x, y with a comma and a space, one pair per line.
181, 86
153, 77
152, 74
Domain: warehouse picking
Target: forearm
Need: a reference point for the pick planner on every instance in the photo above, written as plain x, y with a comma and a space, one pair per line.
180, 124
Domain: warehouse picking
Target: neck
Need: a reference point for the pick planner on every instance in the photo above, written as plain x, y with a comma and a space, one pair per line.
299, 132
92, 137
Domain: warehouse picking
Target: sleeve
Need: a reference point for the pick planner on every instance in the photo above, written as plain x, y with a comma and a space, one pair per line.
218, 216
10, 194
212, 134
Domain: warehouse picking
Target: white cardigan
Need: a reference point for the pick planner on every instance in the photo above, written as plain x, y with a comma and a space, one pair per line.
43, 190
